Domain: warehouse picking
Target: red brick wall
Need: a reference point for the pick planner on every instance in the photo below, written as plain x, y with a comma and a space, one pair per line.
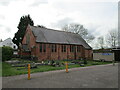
88, 54
32, 38
48, 55
32, 43
62, 55
59, 55
81, 53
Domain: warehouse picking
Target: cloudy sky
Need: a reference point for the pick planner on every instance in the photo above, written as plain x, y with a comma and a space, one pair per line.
98, 16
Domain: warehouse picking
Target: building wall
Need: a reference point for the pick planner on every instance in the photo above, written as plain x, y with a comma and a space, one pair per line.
58, 55
49, 55
32, 44
117, 54
106, 56
88, 54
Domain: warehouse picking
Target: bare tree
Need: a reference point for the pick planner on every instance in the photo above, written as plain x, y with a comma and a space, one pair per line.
100, 41
112, 38
0, 40
79, 29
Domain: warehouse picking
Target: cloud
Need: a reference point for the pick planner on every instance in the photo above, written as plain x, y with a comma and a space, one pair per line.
8, 29
6, 2
2, 17
5, 31
60, 23
1, 25
96, 17
38, 2
5, 28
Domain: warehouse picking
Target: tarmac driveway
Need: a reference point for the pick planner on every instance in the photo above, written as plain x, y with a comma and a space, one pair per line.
100, 76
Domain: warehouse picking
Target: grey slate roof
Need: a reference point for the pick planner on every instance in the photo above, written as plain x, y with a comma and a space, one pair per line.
54, 36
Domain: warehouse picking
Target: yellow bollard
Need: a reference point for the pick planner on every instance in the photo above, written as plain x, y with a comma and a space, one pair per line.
28, 71
66, 67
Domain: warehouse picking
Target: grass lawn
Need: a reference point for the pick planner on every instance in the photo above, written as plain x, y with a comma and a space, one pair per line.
8, 70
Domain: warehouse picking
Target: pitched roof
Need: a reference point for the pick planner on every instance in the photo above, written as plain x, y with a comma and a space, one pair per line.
54, 36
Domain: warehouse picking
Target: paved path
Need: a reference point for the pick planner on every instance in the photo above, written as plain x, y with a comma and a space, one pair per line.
101, 76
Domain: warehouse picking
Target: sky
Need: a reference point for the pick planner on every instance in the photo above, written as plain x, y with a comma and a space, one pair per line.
98, 16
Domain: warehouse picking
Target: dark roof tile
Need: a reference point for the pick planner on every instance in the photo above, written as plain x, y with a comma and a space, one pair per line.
54, 36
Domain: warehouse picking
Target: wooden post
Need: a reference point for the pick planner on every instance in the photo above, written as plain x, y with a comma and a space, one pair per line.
28, 71
66, 67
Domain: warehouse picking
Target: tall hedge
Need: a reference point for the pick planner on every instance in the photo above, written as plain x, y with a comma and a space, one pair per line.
7, 53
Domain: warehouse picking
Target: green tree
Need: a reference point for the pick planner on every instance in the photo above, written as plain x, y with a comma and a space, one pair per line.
24, 21
7, 53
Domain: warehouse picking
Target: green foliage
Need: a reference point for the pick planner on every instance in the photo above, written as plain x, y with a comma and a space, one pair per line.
7, 53
85, 61
24, 21
95, 63
8, 70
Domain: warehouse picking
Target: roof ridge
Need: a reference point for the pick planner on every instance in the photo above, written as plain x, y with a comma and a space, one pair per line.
67, 37
55, 30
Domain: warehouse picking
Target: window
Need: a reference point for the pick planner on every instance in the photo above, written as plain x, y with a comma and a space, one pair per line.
63, 48
54, 48
78, 48
27, 39
44, 47
40, 47
72, 48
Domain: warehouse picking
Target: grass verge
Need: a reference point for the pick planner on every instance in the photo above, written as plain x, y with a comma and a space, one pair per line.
8, 70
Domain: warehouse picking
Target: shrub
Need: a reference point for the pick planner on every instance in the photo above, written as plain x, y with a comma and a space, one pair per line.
85, 61
95, 63
7, 53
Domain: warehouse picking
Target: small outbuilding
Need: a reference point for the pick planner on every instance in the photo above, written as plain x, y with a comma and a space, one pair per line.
107, 54
116, 53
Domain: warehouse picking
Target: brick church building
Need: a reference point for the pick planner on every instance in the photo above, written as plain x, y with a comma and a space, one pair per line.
49, 44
